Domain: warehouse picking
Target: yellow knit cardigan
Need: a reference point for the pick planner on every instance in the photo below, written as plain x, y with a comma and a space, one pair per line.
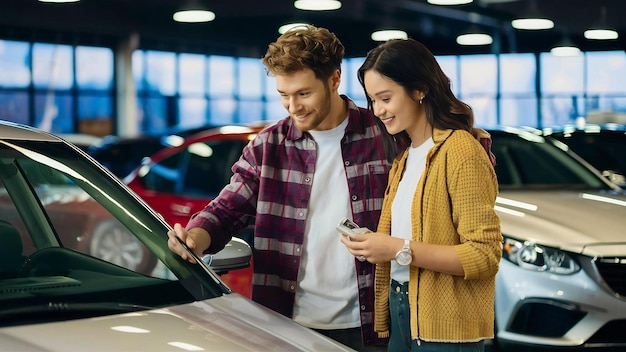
453, 205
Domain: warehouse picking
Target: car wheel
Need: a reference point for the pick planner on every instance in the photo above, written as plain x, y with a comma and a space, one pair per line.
114, 243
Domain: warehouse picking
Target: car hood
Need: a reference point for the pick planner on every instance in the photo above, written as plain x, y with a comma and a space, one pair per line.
587, 222
227, 323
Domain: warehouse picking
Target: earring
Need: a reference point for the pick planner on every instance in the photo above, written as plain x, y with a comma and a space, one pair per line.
421, 100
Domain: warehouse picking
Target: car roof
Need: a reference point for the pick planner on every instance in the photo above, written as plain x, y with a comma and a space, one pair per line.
609, 128
11, 130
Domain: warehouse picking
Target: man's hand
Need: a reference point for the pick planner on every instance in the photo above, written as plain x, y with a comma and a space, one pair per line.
197, 239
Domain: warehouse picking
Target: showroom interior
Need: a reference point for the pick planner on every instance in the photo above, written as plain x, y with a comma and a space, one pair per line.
169, 103
128, 68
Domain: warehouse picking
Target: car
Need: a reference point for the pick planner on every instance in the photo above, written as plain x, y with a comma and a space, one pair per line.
562, 278
180, 180
602, 145
123, 154
58, 297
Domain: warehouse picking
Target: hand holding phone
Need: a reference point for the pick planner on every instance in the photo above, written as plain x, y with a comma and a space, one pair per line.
348, 227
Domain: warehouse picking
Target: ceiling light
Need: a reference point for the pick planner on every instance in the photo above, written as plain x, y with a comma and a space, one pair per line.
317, 5
565, 48
532, 20
601, 31
194, 16
388, 34
58, 1
193, 12
601, 34
474, 39
532, 23
449, 2
565, 51
285, 27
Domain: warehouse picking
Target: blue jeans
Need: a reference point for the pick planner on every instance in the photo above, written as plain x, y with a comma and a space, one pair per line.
400, 339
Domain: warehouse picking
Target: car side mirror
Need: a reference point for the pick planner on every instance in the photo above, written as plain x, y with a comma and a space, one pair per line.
236, 255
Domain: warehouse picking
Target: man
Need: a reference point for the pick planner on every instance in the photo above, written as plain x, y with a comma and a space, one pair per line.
296, 180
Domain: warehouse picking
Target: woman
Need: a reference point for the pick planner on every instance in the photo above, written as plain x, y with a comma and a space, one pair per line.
438, 242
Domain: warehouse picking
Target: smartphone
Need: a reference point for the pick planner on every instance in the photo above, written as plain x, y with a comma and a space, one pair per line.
350, 228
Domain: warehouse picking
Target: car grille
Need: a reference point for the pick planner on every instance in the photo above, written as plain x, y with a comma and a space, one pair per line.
613, 272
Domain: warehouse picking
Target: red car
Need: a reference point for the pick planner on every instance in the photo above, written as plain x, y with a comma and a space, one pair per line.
179, 181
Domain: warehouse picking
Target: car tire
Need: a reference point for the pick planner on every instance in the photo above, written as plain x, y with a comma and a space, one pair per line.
112, 242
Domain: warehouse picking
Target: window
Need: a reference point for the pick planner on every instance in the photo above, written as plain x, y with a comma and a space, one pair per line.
251, 85
67, 89
351, 81
562, 88
449, 66
478, 78
94, 80
606, 87
14, 64
518, 102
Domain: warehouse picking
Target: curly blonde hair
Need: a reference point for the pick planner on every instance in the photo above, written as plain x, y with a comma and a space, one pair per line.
304, 47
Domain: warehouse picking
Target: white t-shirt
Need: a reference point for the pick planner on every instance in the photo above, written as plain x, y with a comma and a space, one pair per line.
403, 202
327, 292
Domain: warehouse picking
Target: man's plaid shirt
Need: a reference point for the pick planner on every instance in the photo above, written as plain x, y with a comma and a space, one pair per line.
271, 186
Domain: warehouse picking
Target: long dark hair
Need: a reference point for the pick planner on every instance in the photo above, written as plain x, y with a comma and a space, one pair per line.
411, 65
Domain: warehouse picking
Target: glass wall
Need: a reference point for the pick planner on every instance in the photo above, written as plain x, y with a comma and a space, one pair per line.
58, 88
69, 89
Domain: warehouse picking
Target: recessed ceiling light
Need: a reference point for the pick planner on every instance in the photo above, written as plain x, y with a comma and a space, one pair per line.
565, 47
532, 23
285, 27
601, 34
449, 2
388, 34
474, 39
565, 51
317, 5
194, 16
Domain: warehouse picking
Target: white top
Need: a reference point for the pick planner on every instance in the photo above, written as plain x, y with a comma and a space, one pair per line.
401, 207
327, 292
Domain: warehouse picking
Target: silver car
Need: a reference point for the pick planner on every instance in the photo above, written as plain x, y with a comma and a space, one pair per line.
562, 278
62, 291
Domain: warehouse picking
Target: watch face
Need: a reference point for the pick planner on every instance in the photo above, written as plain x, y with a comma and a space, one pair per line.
404, 257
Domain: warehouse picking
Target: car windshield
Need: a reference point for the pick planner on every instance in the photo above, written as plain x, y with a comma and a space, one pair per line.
75, 243
528, 161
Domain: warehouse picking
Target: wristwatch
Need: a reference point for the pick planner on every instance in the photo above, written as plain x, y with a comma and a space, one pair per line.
404, 257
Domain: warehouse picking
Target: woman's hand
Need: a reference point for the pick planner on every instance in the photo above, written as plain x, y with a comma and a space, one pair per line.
375, 247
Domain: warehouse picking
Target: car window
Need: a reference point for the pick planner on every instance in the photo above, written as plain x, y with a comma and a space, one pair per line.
201, 169
71, 233
535, 161
604, 151
121, 157
75, 219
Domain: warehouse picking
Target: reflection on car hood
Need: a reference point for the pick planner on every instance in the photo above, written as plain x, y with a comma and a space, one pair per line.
573, 221
228, 323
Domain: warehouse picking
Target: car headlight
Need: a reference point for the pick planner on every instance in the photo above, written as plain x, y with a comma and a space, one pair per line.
532, 256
